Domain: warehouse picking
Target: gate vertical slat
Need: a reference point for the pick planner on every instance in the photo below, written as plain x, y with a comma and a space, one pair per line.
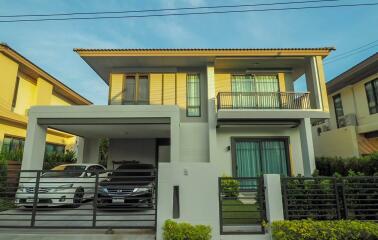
35, 199
335, 185
95, 201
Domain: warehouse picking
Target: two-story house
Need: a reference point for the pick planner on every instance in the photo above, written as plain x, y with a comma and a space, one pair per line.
23, 85
353, 101
196, 114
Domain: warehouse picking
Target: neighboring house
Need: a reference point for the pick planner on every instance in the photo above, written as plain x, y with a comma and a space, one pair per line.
23, 85
196, 114
352, 129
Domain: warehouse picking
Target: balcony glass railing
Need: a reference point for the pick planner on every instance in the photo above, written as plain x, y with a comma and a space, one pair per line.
263, 100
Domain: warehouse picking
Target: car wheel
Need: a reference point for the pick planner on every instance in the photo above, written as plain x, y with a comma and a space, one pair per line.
78, 197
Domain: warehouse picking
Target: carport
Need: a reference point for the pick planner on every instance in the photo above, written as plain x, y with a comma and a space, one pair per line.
135, 133
91, 123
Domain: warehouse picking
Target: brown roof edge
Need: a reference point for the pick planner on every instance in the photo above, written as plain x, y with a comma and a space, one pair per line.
202, 49
75, 97
354, 74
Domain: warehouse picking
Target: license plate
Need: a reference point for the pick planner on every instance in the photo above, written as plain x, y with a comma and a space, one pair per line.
30, 200
118, 200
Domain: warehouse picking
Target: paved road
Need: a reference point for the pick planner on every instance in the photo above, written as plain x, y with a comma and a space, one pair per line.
78, 217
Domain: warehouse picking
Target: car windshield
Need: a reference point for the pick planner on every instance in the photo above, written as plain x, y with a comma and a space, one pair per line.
66, 171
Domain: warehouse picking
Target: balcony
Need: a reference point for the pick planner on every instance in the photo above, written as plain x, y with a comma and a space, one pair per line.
265, 108
263, 100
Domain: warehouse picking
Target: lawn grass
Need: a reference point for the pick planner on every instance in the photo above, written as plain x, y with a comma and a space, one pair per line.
236, 212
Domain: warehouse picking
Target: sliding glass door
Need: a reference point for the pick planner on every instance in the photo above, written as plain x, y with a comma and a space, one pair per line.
254, 157
255, 91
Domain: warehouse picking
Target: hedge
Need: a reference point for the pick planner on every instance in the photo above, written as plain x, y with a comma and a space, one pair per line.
329, 166
185, 231
325, 230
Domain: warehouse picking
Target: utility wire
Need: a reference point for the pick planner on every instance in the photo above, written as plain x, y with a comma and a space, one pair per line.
350, 54
352, 50
191, 13
167, 9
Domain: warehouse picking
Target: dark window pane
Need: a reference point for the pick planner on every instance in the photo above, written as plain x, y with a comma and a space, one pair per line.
143, 94
371, 89
339, 112
130, 86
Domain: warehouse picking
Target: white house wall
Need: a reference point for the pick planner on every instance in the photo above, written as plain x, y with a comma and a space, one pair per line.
194, 142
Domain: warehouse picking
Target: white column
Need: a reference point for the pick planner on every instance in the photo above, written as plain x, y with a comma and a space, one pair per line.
79, 149
316, 83
175, 138
34, 149
308, 155
91, 150
212, 117
273, 197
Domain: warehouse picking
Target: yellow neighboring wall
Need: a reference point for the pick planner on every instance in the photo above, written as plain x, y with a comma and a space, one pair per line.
23, 85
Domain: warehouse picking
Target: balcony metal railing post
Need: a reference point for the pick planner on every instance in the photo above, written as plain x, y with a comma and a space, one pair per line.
35, 199
263, 100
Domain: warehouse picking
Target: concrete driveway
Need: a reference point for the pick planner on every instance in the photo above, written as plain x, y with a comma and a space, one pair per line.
78, 217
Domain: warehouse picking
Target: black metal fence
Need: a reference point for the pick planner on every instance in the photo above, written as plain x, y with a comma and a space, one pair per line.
79, 199
241, 205
263, 100
327, 198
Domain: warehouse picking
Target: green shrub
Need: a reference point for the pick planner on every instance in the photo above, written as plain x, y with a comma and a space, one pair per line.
54, 159
230, 187
325, 230
185, 231
329, 166
14, 155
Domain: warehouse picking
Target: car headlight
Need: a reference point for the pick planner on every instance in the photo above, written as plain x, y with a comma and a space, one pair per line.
138, 190
21, 188
61, 187
103, 189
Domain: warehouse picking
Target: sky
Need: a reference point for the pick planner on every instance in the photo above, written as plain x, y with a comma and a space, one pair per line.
50, 44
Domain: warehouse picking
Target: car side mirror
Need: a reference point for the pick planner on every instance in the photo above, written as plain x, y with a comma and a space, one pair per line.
88, 174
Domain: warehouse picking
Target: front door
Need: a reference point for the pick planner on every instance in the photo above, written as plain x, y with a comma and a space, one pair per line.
254, 157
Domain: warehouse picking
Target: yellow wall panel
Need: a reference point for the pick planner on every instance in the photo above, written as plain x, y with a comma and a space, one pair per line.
169, 89
58, 101
222, 82
181, 90
25, 95
43, 92
116, 88
156, 87
281, 80
8, 76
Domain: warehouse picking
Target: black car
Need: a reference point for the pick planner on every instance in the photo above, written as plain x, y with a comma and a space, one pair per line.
130, 185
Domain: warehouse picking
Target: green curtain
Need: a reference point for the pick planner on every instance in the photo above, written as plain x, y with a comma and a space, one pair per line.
193, 95
256, 157
248, 159
268, 85
242, 84
273, 157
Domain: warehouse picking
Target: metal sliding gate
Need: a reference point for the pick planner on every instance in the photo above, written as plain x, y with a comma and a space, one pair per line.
121, 199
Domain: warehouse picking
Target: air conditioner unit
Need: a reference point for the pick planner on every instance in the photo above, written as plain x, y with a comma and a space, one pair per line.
348, 120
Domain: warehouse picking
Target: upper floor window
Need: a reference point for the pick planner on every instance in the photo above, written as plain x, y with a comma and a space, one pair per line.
255, 83
136, 89
372, 95
193, 95
339, 112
